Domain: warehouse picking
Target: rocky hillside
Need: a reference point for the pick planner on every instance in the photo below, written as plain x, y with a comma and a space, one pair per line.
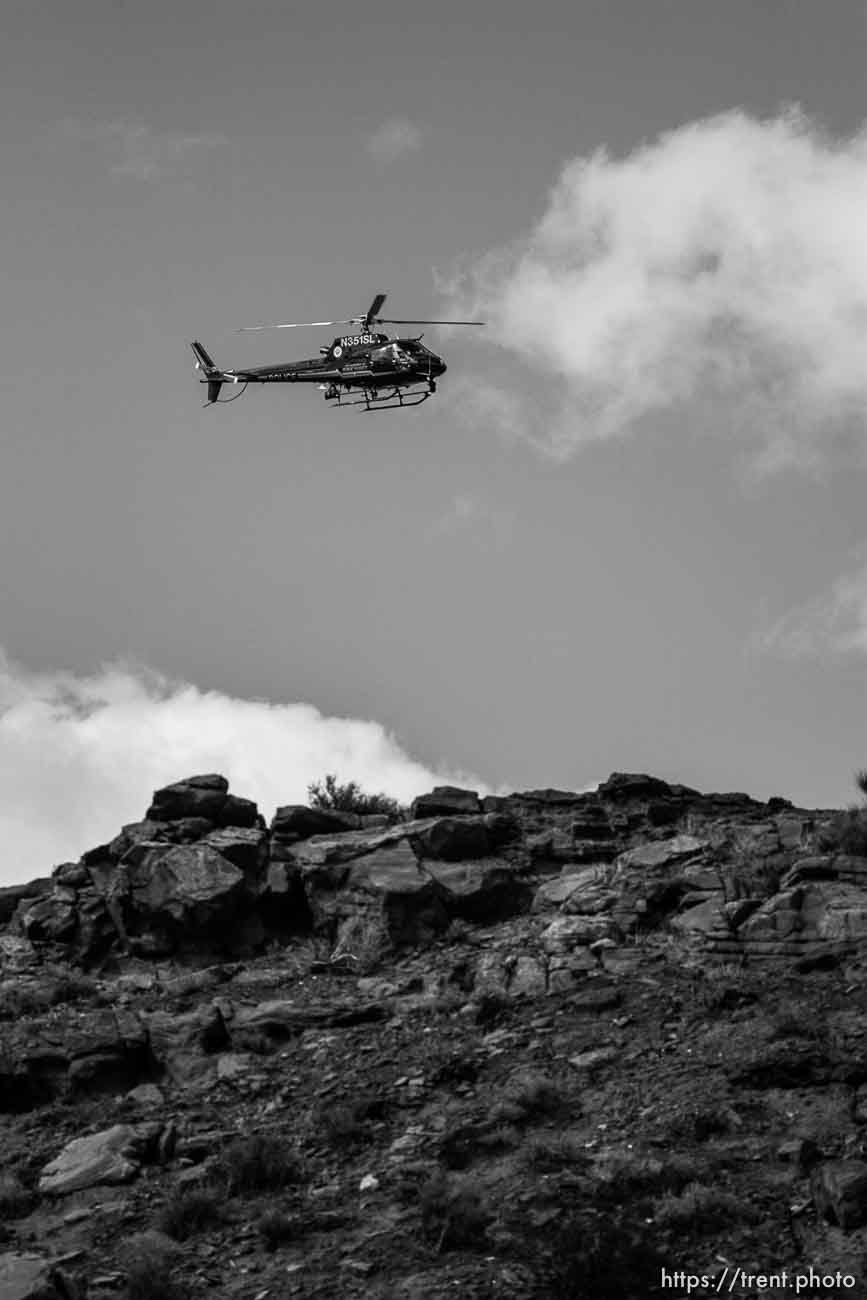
595, 1045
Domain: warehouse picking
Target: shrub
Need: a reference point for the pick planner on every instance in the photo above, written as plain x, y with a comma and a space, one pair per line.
700, 1123
531, 1095
254, 1041
350, 1124
276, 1228
789, 1024
847, 832
17, 1000
454, 1213
259, 1163
724, 987
630, 1178
350, 797
600, 1257
462, 1144
492, 1008
364, 941
15, 1199
151, 1258
552, 1152
701, 1208
188, 1211
73, 988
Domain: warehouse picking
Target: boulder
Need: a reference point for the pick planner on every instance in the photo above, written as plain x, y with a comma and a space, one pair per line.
73, 874
95, 1051
280, 1021
808, 922
588, 891
660, 854
16, 954
195, 796
707, 920
665, 812
300, 822
499, 974
147, 1096
622, 787
839, 1190
12, 896
551, 846
569, 932
445, 801
400, 892
650, 880
342, 846
547, 799
387, 888
96, 929
805, 870
51, 919
105, 1157
185, 892
484, 891
502, 828
239, 812
702, 878
453, 839
527, 977
185, 1043
106, 1050
246, 847
592, 823
183, 830
851, 870
33, 1277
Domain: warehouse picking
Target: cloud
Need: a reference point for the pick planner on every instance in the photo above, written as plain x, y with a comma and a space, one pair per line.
469, 513
833, 622
138, 151
80, 756
479, 401
396, 137
723, 262
463, 509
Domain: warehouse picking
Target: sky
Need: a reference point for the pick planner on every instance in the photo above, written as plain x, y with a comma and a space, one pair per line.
627, 534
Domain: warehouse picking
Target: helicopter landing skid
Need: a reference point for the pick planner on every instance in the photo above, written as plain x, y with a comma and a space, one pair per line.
375, 401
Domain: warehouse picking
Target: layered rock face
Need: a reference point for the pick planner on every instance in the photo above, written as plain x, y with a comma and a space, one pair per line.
202, 874
567, 1010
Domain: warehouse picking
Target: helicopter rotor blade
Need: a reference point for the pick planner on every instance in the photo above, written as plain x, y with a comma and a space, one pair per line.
374, 307
382, 320
297, 325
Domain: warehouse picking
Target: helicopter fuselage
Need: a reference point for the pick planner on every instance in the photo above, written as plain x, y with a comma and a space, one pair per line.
369, 362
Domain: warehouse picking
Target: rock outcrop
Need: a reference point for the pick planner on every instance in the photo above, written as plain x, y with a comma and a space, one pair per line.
202, 873
518, 1045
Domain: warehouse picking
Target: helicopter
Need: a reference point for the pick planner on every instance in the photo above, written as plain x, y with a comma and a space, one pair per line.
363, 368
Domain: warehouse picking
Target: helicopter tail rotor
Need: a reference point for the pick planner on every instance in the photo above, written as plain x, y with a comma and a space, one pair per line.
213, 375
